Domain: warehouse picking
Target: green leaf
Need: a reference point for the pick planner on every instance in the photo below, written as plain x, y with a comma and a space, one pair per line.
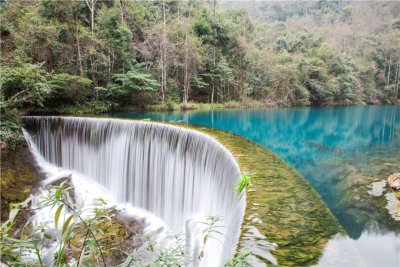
66, 224
12, 215
26, 202
205, 239
102, 201
58, 195
37, 251
241, 184
57, 215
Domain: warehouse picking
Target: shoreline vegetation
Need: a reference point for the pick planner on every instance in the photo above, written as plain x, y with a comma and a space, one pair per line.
93, 57
175, 106
171, 106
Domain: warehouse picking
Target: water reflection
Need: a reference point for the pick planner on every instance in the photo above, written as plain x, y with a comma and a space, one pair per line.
288, 132
344, 251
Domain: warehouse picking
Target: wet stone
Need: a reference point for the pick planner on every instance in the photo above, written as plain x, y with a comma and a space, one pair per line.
377, 188
394, 181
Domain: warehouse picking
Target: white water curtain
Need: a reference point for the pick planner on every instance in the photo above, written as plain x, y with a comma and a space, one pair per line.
179, 175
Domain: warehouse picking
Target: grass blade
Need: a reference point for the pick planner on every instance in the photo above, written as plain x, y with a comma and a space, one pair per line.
57, 215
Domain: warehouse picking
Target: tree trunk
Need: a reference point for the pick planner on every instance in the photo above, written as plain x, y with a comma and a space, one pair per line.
390, 63
179, 9
91, 5
122, 12
163, 56
214, 55
109, 66
92, 18
397, 78
78, 46
186, 63
165, 53
162, 75
185, 76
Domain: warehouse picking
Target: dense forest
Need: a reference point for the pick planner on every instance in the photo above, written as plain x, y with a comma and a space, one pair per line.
93, 56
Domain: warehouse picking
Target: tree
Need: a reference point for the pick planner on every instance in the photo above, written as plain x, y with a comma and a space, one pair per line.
91, 4
125, 85
27, 84
163, 53
69, 89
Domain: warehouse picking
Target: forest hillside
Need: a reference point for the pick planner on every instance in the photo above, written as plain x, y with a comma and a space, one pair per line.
93, 56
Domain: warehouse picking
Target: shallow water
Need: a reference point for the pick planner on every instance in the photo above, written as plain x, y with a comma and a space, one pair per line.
341, 151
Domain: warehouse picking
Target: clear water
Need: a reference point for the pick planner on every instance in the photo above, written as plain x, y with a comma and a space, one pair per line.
341, 151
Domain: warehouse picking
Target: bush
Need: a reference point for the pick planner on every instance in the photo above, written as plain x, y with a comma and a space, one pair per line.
10, 135
302, 95
69, 89
24, 85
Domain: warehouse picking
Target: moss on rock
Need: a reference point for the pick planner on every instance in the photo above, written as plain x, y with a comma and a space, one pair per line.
19, 173
115, 236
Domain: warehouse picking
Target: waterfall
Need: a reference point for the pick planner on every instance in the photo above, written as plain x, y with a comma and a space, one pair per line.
179, 175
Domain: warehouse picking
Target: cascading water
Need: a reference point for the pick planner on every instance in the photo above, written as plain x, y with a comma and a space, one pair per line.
179, 175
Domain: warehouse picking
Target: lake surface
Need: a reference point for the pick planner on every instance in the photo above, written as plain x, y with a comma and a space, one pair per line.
340, 151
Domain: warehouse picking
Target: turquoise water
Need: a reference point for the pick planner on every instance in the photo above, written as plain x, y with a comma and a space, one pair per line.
339, 150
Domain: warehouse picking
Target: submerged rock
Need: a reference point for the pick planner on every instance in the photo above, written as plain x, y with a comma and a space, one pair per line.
320, 146
261, 249
393, 206
394, 181
377, 188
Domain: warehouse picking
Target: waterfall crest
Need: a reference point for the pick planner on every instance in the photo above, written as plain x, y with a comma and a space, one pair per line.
177, 174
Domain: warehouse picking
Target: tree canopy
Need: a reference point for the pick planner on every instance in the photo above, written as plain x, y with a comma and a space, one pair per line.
127, 53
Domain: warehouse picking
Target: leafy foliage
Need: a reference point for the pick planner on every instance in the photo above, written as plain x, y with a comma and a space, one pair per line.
133, 81
69, 89
138, 53
10, 125
24, 85
143, 52
88, 233
241, 184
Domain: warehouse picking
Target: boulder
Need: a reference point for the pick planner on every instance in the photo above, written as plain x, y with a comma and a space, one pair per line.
394, 181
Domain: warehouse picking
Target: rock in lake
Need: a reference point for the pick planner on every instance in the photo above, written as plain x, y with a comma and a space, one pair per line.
394, 181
